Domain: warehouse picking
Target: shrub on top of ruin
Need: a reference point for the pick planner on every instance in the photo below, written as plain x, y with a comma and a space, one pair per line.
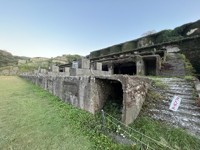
189, 78
157, 84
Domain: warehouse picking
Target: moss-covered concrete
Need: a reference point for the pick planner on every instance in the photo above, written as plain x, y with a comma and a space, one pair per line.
191, 49
178, 33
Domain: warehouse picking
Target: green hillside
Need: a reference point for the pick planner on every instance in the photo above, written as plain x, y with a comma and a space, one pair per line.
12, 65
7, 59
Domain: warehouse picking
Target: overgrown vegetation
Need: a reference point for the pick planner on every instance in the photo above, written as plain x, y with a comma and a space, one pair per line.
167, 36
189, 68
154, 95
27, 68
162, 132
114, 109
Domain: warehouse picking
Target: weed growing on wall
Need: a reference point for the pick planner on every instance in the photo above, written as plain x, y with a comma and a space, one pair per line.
188, 66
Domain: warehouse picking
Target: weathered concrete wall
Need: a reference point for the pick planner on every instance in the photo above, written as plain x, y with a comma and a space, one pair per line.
55, 68
84, 63
74, 90
89, 94
174, 66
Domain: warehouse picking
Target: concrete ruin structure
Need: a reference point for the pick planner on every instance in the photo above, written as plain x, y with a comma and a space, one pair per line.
89, 89
90, 93
149, 59
118, 73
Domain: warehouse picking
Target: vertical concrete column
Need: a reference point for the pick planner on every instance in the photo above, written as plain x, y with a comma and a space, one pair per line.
84, 63
111, 68
92, 65
164, 57
67, 71
140, 70
98, 66
158, 64
55, 68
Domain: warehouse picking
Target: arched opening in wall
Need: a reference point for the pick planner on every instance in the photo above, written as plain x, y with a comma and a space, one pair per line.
110, 96
150, 66
128, 68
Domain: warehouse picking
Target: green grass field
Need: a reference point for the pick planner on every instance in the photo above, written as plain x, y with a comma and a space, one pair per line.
28, 120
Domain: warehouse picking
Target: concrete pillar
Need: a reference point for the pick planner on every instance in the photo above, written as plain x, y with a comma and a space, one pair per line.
164, 57
111, 69
67, 71
140, 70
55, 68
92, 66
84, 63
158, 64
98, 66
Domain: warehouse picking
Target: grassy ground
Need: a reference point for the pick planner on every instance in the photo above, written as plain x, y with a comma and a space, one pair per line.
29, 121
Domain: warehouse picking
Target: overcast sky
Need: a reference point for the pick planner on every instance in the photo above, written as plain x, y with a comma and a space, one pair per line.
49, 28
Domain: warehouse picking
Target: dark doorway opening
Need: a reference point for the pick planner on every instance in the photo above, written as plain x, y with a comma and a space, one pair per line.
128, 68
111, 97
61, 69
150, 66
104, 67
161, 54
